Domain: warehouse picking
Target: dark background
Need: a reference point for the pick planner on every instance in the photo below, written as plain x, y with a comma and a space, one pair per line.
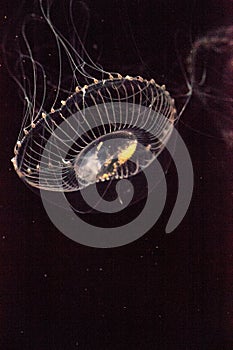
163, 291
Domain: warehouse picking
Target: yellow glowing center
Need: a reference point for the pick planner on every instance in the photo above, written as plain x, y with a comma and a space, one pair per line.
122, 157
127, 153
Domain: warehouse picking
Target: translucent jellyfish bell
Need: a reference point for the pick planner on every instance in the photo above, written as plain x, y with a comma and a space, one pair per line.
99, 129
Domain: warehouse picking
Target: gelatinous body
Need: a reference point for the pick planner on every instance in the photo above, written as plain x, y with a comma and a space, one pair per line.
100, 129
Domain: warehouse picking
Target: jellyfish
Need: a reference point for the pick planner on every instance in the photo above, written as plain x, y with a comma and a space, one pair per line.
109, 121
109, 127
90, 134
